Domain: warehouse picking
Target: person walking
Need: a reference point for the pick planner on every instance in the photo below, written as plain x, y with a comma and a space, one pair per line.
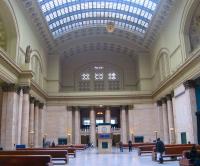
121, 146
160, 148
130, 145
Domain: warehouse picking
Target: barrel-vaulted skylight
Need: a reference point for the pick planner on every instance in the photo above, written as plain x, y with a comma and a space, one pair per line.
63, 16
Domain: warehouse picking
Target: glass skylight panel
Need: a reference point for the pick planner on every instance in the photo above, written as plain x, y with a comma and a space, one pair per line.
63, 16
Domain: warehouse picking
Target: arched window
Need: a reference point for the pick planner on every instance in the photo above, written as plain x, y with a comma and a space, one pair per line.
194, 30
99, 77
162, 68
37, 70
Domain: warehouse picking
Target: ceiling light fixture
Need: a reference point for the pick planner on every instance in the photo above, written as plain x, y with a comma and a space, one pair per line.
99, 113
110, 27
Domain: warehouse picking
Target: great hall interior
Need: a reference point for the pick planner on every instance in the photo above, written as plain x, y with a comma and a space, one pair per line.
68, 66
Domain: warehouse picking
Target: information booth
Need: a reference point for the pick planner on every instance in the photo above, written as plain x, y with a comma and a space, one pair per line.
104, 138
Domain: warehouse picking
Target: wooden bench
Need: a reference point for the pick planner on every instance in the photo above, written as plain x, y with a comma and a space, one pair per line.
55, 154
77, 147
145, 149
136, 145
185, 161
71, 151
25, 160
175, 150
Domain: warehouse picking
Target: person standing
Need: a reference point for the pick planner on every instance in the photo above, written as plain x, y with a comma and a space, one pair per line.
160, 148
130, 145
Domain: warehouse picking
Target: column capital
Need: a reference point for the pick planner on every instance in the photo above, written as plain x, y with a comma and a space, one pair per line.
36, 103
169, 97
26, 89
189, 84
123, 107
164, 100
32, 100
159, 103
19, 90
69, 108
9, 87
172, 93
41, 105
130, 107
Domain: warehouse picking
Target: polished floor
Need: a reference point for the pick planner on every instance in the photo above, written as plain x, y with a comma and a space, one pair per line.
90, 157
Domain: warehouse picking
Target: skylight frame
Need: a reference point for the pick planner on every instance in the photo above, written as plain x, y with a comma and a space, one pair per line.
63, 16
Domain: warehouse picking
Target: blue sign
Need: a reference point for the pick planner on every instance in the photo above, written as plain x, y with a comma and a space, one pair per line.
104, 136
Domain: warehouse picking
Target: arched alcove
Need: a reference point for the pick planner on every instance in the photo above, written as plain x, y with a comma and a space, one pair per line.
36, 67
188, 27
162, 66
3, 44
194, 29
8, 30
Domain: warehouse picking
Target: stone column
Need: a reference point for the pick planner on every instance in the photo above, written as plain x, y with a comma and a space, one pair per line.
77, 126
9, 116
69, 125
165, 121
93, 127
174, 115
123, 125
131, 123
41, 124
192, 109
19, 119
31, 122
36, 123
25, 116
107, 115
160, 120
3, 115
170, 119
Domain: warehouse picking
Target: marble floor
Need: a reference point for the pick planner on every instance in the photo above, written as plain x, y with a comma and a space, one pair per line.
90, 157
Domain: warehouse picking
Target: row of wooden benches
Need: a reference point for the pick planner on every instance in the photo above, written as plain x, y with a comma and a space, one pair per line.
172, 151
37, 156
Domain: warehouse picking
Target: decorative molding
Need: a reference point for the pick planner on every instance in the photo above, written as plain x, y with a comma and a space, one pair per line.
26, 89
36, 103
41, 105
169, 97
189, 84
159, 103
164, 100
32, 100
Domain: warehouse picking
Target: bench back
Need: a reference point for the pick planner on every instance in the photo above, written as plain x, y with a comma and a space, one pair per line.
146, 148
136, 145
52, 153
25, 160
70, 150
176, 150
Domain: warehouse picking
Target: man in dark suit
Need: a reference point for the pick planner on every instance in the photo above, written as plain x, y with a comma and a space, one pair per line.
160, 148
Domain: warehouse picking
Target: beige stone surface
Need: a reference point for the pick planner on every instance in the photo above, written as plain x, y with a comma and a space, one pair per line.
56, 122
145, 121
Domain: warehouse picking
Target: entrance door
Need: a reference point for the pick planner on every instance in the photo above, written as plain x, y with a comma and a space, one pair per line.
116, 139
183, 138
85, 139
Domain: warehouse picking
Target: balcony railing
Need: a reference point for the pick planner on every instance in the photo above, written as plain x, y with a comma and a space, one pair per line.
86, 131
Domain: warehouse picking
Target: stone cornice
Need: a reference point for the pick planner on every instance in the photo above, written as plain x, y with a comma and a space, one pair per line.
175, 79
11, 65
